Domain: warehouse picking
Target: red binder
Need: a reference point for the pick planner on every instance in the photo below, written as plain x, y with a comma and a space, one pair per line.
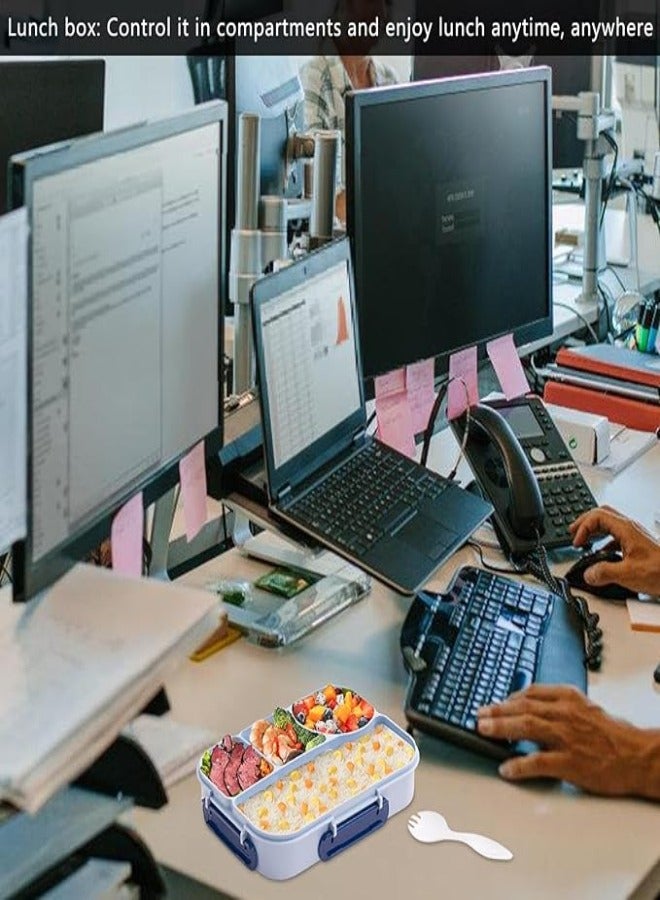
624, 410
614, 362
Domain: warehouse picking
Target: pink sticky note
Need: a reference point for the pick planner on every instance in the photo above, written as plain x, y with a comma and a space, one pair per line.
421, 392
464, 389
508, 368
392, 383
126, 537
395, 426
192, 474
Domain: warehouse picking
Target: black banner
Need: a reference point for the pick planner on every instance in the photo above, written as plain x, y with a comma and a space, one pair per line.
489, 28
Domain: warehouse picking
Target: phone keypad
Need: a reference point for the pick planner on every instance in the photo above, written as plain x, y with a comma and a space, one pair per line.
565, 497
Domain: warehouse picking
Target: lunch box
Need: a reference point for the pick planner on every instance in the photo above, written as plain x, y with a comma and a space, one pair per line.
281, 855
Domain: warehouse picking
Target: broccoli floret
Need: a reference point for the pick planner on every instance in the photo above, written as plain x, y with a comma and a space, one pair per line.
205, 764
281, 718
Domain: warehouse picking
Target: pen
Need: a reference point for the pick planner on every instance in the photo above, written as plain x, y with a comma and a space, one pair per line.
653, 330
643, 322
638, 326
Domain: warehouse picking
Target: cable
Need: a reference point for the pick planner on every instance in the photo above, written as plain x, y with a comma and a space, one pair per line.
610, 268
536, 564
428, 433
587, 324
433, 415
500, 570
608, 310
610, 184
653, 204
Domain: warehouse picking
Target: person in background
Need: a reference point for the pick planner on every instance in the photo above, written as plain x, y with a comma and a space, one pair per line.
580, 742
347, 66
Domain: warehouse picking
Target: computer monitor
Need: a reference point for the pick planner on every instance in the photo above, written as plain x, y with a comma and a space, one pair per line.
449, 214
45, 102
570, 76
124, 326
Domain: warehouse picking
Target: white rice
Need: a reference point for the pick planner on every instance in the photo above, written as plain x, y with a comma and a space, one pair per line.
334, 776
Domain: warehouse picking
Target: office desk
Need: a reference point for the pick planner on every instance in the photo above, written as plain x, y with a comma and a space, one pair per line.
565, 844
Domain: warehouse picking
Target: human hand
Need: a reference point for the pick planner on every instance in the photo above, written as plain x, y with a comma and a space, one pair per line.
580, 742
639, 570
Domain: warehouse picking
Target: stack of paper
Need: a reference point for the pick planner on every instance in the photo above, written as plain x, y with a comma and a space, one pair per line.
626, 445
174, 748
97, 879
77, 664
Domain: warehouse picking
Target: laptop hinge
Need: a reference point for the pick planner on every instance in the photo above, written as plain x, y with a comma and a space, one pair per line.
359, 435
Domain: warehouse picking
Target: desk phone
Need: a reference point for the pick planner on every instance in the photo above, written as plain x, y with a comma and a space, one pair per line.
525, 469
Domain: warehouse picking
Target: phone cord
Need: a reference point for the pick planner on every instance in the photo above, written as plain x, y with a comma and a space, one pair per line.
536, 564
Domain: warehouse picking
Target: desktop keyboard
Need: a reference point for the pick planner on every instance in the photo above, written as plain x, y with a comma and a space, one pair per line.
486, 638
372, 494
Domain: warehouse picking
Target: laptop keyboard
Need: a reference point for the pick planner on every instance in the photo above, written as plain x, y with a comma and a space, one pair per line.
478, 650
374, 493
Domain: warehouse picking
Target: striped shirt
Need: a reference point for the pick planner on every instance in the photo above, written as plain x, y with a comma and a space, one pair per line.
326, 83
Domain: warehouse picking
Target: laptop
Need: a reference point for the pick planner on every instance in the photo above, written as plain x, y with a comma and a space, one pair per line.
326, 476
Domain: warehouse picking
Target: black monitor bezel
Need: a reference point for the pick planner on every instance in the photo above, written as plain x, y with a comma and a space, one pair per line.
357, 101
92, 69
30, 578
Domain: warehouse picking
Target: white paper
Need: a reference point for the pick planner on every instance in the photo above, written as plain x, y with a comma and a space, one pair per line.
626, 445
79, 662
13, 374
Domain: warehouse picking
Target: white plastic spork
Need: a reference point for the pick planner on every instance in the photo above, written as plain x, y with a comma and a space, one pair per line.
429, 827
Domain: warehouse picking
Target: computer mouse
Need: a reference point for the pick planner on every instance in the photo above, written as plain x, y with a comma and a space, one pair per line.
575, 575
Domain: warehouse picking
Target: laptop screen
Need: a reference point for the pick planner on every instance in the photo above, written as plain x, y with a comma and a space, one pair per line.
310, 368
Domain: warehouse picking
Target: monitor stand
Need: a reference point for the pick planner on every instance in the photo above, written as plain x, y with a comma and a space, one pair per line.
161, 529
172, 558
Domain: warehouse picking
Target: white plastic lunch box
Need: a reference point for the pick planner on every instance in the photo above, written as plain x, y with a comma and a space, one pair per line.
281, 856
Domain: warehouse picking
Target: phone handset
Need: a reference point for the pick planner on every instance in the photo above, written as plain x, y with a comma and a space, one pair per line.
525, 506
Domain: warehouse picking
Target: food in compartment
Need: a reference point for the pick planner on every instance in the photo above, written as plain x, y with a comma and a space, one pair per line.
314, 788
333, 710
283, 738
233, 766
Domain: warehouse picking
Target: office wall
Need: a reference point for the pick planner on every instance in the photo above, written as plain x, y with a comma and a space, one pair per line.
139, 87
145, 87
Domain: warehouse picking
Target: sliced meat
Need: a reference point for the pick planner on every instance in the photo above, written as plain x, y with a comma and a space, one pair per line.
219, 760
227, 743
249, 771
231, 770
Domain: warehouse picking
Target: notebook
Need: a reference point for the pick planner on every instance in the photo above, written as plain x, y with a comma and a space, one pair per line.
326, 476
80, 661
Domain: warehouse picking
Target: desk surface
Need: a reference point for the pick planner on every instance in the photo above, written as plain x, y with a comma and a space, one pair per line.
565, 844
